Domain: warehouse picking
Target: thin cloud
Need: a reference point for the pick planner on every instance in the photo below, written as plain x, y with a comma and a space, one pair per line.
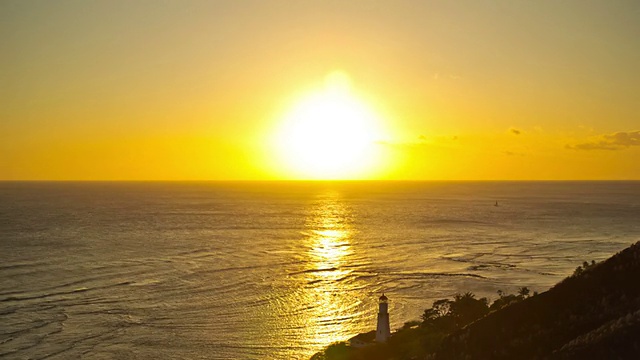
512, 153
616, 141
420, 141
439, 76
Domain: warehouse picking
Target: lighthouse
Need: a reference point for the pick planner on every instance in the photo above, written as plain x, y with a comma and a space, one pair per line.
383, 331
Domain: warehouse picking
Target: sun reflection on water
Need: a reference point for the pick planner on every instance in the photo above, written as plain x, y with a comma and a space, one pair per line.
328, 239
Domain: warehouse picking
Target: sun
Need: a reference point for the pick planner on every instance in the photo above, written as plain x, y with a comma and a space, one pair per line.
330, 134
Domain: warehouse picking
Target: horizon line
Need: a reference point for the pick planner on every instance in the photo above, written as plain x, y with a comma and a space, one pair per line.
307, 180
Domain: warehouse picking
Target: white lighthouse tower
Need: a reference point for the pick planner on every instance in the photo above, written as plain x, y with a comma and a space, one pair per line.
383, 331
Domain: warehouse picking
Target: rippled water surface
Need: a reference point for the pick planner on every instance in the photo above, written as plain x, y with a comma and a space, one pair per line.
276, 270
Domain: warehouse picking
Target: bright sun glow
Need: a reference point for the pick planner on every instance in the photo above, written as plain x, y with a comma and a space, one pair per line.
330, 134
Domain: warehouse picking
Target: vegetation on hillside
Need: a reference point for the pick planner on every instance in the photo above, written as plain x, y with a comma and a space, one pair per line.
416, 339
594, 313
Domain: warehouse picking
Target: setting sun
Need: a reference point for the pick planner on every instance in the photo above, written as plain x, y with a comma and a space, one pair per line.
329, 134
304, 179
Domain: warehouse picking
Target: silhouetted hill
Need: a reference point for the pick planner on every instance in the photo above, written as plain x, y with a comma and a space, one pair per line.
594, 314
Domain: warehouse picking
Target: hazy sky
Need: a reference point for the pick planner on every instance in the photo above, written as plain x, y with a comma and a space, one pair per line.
194, 89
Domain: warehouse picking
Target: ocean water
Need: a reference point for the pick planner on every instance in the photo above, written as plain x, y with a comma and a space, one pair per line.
276, 270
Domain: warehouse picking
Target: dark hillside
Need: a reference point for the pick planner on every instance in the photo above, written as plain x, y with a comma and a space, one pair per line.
593, 314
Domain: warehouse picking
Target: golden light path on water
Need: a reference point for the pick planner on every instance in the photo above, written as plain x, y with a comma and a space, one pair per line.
328, 238
328, 293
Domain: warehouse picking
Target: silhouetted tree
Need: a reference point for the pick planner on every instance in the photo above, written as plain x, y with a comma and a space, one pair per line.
438, 318
585, 266
466, 308
508, 299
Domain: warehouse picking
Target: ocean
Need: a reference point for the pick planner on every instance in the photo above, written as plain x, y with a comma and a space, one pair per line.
276, 270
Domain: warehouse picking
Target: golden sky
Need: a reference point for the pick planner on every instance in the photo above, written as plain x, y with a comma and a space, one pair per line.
217, 90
